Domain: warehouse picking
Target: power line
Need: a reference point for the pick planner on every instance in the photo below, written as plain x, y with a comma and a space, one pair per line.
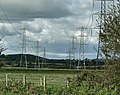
9, 23
7, 42
8, 19
9, 31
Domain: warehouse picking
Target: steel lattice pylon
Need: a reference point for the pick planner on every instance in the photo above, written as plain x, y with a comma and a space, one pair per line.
37, 61
102, 20
23, 60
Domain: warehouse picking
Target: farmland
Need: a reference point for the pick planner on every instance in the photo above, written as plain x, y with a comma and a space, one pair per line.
53, 77
58, 82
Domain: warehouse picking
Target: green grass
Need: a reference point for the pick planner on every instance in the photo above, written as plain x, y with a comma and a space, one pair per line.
43, 70
56, 81
53, 77
33, 75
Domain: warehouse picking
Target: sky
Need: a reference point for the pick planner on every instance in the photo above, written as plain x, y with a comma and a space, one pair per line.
51, 22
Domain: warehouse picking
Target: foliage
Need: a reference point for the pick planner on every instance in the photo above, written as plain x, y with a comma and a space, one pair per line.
86, 83
18, 88
110, 35
110, 39
1, 63
92, 84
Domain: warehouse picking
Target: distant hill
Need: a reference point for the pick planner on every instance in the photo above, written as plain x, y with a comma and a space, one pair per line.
8, 59
14, 60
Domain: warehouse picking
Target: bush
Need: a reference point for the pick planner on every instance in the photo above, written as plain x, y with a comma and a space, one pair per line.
86, 83
92, 84
1, 63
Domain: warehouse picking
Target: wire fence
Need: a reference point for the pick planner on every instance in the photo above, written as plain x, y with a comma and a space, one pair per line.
37, 79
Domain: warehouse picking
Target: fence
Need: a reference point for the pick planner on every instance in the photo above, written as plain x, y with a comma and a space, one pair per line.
38, 79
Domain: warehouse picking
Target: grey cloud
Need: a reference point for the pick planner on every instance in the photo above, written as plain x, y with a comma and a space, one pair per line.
35, 9
7, 32
52, 22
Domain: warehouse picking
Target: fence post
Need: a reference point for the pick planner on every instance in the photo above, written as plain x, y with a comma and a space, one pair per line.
24, 79
44, 82
6, 79
40, 82
67, 83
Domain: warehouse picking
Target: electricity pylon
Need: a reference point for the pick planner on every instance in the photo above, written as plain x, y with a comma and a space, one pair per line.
23, 60
82, 44
73, 50
102, 20
44, 56
37, 62
69, 54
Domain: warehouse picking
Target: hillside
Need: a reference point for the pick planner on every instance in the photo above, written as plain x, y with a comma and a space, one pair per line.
15, 58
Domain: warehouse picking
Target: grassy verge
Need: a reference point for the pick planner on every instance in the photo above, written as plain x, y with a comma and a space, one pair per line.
48, 71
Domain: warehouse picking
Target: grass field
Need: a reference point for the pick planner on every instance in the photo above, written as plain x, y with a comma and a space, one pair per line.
51, 79
53, 76
83, 82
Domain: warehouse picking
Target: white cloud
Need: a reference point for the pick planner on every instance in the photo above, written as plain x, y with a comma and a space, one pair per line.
53, 31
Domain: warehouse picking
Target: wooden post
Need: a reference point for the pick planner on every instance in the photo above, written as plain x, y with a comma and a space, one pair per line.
44, 83
6, 79
67, 83
40, 82
24, 79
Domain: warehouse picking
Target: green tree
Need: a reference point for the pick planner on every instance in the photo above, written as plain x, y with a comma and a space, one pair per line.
1, 63
110, 36
1, 50
110, 39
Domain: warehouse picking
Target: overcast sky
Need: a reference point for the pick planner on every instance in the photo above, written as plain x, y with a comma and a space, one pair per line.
51, 22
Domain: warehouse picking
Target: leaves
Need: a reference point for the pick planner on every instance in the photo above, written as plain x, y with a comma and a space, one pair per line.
110, 35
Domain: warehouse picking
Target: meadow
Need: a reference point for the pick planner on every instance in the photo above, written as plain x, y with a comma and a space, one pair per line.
57, 82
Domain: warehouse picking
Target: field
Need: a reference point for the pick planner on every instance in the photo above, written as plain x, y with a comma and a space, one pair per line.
57, 82
53, 77
34, 76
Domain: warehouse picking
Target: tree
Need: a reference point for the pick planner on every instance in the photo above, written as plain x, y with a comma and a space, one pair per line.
1, 63
110, 39
1, 50
110, 35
